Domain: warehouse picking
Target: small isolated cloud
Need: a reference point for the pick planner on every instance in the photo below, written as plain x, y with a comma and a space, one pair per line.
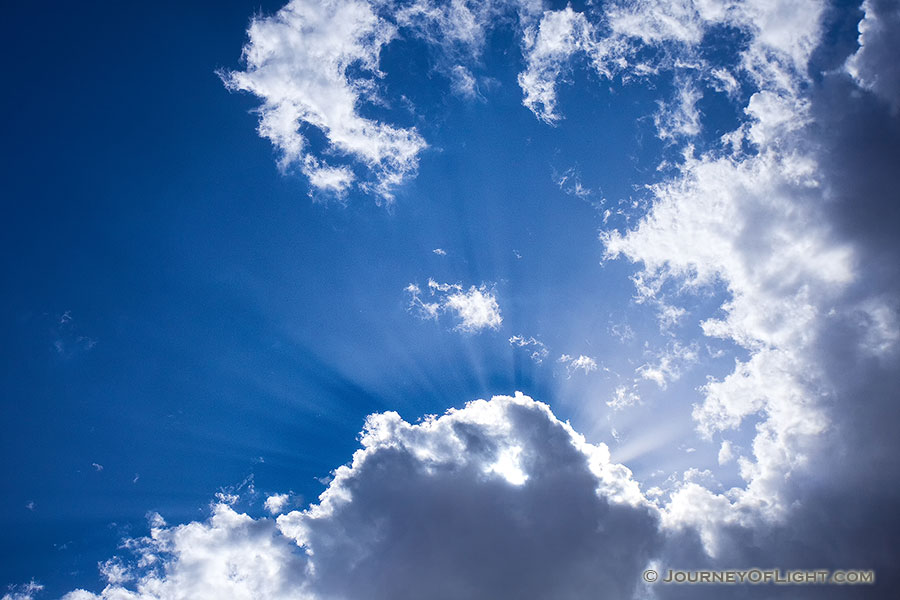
31, 505
276, 503
97, 467
463, 82
622, 332
570, 183
475, 308
440, 251
582, 363
667, 365
624, 397
537, 348
726, 453
69, 339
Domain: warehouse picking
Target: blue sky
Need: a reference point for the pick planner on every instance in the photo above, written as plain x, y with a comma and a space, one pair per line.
670, 223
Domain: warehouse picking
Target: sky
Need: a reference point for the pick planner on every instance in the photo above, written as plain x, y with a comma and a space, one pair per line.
392, 299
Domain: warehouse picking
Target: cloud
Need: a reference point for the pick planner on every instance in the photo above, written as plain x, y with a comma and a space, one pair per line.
276, 503
668, 363
547, 47
229, 556
754, 218
582, 363
440, 251
463, 83
874, 65
538, 350
476, 308
623, 398
497, 499
679, 118
298, 62
570, 183
22, 592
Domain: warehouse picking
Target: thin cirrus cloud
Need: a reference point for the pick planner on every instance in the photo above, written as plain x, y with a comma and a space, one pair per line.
538, 349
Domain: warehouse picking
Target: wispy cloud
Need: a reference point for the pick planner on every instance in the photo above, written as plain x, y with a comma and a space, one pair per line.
537, 348
475, 308
583, 363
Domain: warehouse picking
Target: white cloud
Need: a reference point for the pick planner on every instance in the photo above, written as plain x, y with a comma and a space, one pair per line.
668, 363
726, 453
570, 183
679, 118
581, 363
548, 47
498, 499
23, 592
297, 63
623, 398
874, 65
655, 21
229, 556
115, 571
463, 83
537, 348
440, 251
457, 26
755, 222
97, 467
475, 308
276, 503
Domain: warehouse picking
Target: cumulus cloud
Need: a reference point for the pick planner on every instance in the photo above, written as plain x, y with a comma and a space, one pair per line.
752, 218
498, 499
874, 65
298, 62
276, 503
475, 308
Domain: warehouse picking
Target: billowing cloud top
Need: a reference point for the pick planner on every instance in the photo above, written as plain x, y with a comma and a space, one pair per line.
498, 499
